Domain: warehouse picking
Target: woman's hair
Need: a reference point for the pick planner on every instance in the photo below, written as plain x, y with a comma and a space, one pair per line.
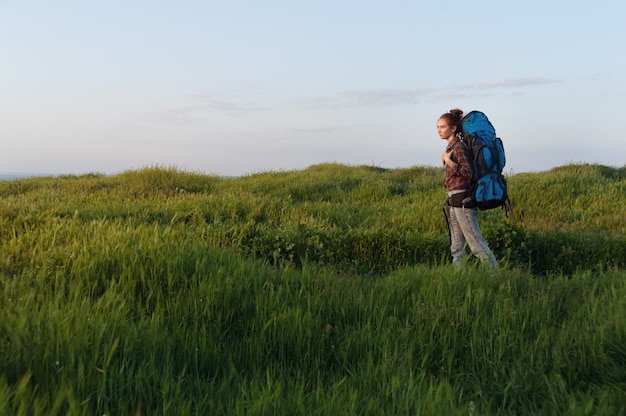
453, 118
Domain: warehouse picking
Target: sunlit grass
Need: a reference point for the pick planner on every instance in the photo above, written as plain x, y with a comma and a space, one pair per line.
323, 291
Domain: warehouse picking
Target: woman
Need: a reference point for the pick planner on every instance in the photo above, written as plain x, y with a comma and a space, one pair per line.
458, 183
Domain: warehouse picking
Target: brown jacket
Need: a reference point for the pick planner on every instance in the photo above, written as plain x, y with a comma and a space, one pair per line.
462, 176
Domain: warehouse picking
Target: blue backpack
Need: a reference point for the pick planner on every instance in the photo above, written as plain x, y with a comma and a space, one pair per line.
490, 188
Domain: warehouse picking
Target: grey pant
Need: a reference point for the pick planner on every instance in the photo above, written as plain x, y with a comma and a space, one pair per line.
464, 228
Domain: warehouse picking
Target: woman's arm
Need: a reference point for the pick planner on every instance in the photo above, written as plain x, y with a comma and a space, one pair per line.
464, 165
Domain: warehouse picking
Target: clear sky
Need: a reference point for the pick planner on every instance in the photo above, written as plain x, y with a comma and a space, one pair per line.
233, 87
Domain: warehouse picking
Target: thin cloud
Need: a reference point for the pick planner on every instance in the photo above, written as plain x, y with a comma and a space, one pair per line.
383, 97
489, 88
401, 96
516, 82
228, 107
320, 130
367, 98
229, 103
235, 102
210, 103
457, 93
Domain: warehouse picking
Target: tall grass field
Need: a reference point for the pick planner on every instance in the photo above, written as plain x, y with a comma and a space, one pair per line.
323, 291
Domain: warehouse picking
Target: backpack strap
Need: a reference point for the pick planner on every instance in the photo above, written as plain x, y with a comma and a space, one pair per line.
446, 214
453, 145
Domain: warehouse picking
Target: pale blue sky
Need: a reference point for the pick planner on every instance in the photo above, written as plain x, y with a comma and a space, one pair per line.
236, 87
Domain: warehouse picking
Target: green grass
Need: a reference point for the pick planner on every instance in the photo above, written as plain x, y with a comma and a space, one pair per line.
324, 291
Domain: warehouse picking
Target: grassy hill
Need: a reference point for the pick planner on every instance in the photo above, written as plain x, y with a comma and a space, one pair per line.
321, 291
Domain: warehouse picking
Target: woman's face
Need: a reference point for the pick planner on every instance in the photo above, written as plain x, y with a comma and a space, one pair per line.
444, 129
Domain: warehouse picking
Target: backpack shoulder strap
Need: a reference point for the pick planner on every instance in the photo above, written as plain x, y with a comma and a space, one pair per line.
461, 141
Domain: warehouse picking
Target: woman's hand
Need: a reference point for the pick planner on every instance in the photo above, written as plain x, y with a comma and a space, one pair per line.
445, 158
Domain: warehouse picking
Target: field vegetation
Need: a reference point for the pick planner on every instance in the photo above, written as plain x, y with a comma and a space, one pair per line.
323, 291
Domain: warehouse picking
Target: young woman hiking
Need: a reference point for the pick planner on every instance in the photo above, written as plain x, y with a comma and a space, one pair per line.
458, 165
